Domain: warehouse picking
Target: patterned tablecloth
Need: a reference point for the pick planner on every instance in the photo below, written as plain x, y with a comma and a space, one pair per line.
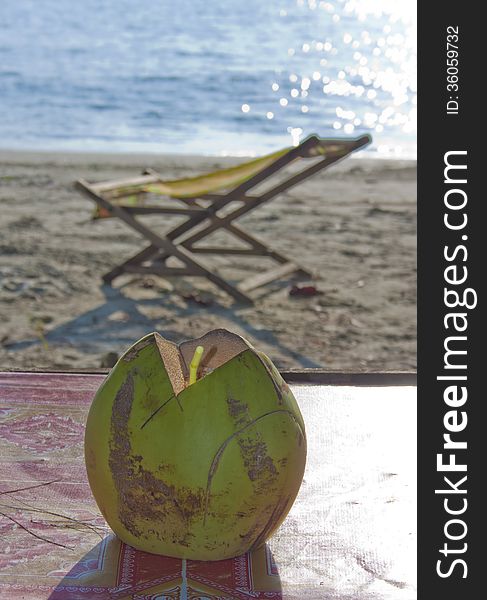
350, 534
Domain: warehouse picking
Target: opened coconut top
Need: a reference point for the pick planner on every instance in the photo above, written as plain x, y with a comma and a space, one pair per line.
219, 345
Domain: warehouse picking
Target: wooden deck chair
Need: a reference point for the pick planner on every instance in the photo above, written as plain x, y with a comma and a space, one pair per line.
200, 200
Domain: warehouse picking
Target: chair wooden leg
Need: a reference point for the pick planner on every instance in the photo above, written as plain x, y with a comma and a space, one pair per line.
260, 249
266, 250
227, 223
169, 248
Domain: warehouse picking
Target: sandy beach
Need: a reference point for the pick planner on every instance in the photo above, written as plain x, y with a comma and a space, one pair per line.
353, 226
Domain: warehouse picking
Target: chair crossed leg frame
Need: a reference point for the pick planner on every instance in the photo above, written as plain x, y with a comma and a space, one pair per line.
180, 241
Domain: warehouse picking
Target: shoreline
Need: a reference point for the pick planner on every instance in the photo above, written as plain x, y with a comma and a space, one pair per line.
353, 226
16, 155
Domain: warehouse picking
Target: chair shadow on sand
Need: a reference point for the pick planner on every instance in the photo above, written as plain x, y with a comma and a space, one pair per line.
111, 570
98, 331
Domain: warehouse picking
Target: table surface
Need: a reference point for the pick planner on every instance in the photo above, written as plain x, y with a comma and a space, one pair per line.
351, 534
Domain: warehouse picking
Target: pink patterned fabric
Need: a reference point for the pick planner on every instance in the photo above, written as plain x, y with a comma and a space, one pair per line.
43, 433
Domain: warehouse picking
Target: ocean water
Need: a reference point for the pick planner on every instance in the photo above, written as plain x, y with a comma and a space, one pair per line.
206, 76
